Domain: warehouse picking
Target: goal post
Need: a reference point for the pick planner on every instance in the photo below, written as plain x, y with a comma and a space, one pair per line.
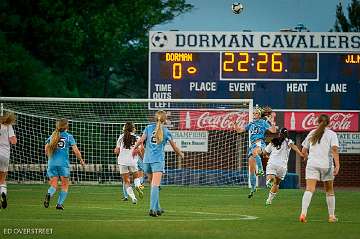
202, 128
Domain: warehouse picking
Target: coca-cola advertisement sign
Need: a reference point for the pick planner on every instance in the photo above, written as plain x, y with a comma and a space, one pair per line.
212, 120
306, 121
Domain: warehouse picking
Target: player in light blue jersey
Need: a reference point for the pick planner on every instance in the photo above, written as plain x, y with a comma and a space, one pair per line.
57, 149
257, 129
156, 136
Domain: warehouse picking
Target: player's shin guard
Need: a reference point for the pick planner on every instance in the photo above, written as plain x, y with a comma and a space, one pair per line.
330, 200
259, 164
253, 181
137, 182
154, 197
130, 192
3, 188
306, 202
62, 197
51, 191
124, 191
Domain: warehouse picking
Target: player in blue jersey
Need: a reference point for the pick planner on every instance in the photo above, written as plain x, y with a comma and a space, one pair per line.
57, 150
257, 129
156, 136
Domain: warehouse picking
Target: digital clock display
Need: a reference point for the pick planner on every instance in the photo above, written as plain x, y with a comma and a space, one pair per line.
269, 65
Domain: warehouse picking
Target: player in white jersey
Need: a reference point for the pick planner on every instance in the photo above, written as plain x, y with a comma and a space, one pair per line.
320, 147
7, 137
276, 169
127, 162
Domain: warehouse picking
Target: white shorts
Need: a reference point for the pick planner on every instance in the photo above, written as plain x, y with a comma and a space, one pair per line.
128, 169
276, 170
4, 164
320, 174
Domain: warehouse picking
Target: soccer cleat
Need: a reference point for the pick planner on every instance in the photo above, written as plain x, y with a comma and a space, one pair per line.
139, 192
153, 213
251, 194
260, 173
302, 218
124, 199
160, 212
59, 207
332, 219
3, 200
47, 200
268, 202
134, 201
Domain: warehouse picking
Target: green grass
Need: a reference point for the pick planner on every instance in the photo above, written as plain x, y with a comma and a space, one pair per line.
191, 212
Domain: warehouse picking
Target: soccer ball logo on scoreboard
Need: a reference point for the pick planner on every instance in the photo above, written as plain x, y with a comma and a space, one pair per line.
159, 39
237, 7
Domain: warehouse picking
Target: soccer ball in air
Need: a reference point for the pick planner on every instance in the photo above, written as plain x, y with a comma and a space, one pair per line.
237, 7
159, 39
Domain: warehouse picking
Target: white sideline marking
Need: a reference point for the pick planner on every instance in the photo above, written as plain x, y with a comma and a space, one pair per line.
235, 217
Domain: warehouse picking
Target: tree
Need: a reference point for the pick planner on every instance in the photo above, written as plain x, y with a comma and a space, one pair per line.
350, 24
92, 48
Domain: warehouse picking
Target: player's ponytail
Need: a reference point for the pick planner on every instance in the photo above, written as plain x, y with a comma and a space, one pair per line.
160, 118
323, 121
128, 139
8, 118
61, 125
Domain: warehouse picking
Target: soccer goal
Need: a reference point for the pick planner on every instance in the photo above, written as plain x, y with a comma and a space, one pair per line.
203, 129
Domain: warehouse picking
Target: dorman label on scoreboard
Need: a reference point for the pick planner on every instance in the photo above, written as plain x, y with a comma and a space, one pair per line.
287, 70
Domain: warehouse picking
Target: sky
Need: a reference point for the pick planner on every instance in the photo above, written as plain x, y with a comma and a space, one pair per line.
258, 15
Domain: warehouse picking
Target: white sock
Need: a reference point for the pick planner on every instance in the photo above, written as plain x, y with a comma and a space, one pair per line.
271, 196
306, 202
137, 182
330, 200
3, 188
130, 192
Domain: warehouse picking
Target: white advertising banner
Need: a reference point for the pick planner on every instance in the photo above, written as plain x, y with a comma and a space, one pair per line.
189, 141
349, 143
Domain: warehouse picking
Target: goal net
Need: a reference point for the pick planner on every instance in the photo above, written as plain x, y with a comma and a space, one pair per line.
203, 129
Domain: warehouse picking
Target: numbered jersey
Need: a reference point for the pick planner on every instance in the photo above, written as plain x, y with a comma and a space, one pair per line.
60, 156
257, 129
155, 152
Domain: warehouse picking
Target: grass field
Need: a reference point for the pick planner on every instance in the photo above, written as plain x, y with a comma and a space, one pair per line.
191, 212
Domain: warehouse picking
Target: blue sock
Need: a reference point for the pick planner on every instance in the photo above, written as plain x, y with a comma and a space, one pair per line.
125, 194
158, 200
259, 163
62, 197
253, 181
154, 197
51, 191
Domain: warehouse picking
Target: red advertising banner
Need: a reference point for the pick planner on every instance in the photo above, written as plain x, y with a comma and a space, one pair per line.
306, 121
212, 120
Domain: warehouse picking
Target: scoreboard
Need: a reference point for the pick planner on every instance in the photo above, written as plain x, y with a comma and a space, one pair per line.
286, 70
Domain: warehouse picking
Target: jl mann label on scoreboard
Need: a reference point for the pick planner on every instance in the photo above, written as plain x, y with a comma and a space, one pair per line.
287, 70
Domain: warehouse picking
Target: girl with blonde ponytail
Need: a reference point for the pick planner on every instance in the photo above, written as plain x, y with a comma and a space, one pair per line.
7, 138
320, 147
156, 136
57, 149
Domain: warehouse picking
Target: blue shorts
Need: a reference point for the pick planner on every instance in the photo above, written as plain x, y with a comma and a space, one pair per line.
260, 144
154, 167
57, 171
140, 165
